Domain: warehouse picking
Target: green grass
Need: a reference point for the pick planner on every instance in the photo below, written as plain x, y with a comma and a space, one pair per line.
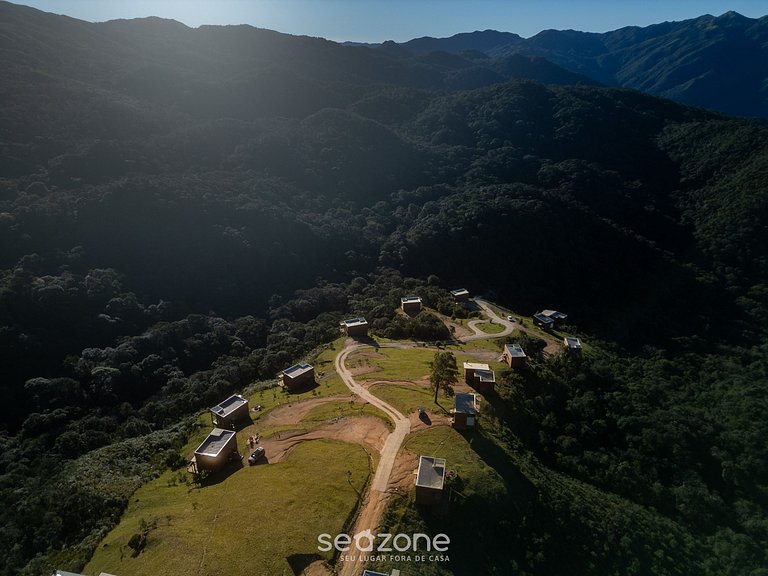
490, 327
409, 398
325, 412
445, 442
248, 523
393, 363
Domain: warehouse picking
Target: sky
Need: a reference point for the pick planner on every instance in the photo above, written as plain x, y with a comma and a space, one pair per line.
401, 20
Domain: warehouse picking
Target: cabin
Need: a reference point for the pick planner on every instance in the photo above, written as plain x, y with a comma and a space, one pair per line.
553, 318
411, 304
216, 450
355, 327
233, 410
572, 343
301, 375
430, 479
514, 355
543, 321
460, 295
464, 413
479, 376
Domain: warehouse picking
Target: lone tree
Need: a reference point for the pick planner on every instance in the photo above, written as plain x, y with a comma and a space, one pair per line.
445, 373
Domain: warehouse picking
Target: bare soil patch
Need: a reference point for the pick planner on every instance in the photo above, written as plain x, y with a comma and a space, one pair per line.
366, 430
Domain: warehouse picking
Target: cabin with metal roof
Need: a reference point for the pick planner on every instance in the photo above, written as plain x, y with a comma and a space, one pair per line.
215, 451
514, 355
411, 304
479, 376
355, 327
460, 294
464, 413
430, 479
226, 415
301, 375
572, 343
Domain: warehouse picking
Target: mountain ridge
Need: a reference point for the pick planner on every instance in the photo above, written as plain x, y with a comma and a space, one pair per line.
666, 59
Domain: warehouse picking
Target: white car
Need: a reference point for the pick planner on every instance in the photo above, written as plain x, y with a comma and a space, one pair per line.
511, 318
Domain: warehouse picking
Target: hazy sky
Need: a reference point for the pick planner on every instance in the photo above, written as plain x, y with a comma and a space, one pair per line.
399, 20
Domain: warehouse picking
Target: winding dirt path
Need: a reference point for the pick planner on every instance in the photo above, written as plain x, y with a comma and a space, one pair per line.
375, 501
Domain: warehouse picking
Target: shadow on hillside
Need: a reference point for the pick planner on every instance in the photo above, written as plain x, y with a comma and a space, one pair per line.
219, 476
300, 562
304, 388
367, 340
493, 455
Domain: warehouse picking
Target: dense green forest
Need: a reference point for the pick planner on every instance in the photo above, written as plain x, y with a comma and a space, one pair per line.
185, 212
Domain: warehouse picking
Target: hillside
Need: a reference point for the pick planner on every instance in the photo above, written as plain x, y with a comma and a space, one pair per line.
712, 62
185, 212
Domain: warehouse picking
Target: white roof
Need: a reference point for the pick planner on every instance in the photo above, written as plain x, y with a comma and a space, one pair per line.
297, 370
229, 405
475, 366
410, 300
215, 442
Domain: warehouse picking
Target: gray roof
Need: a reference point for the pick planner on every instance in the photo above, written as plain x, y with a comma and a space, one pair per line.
574, 343
464, 403
541, 317
215, 442
554, 314
459, 291
229, 405
355, 322
410, 300
515, 350
297, 370
485, 375
431, 472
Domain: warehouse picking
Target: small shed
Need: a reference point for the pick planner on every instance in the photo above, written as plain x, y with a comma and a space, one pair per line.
572, 343
216, 450
460, 294
514, 355
297, 376
229, 412
464, 410
411, 304
479, 376
430, 479
354, 327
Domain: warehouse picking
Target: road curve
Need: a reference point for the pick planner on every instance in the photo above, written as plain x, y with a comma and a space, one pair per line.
402, 424
374, 501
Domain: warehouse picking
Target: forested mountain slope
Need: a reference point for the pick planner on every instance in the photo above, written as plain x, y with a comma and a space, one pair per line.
714, 62
183, 212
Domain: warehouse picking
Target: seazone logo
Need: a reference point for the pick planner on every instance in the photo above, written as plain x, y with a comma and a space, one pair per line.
367, 541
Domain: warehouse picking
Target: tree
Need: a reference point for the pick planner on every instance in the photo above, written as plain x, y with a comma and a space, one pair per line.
445, 372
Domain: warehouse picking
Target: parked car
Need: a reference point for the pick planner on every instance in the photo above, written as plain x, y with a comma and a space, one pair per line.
256, 456
511, 318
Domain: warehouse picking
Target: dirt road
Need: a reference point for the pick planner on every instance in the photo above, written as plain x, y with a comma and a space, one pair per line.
376, 499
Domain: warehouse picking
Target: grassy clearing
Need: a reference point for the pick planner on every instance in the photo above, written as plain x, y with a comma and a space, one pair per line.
445, 442
393, 363
475, 503
325, 412
490, 327
251, 522
409, 398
